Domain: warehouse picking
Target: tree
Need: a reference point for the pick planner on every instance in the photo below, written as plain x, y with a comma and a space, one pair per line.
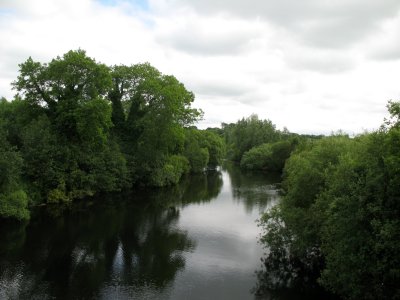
78, 127
73, 130
13, 199
216, 147
151, 111
268, 156
293, 228
360, 237
339, 215
195, 150
248, 133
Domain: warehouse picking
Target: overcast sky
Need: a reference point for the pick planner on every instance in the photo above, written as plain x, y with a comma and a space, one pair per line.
314, 66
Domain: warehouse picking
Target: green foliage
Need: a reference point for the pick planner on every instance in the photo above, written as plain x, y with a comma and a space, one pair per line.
257, 158
171, 172
150, 111
10, 164
13, 199
203, 148
42, 157
195, 150
65, 137
215, 145
246, 134
73, 76
269, 156
57, 195
199, 160
360, 237
93, 120
16, 115
14, 205
394, 110
338, 218
78, 127
306, 174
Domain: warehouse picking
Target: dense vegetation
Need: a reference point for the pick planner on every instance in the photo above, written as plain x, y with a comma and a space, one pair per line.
338, 219
79, 127
269, 156
257, 144
246, 134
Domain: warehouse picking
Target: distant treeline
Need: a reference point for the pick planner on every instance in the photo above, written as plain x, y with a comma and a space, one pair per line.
257, 144
78, 127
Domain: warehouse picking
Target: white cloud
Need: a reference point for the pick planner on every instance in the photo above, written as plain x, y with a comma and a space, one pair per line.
218, 35
313, 66
324, 61
386, 44
320, 23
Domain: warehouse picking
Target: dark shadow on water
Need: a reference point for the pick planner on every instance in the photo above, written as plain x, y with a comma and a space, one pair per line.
130, 245
74, 252
256, 189
196, 188
283, 278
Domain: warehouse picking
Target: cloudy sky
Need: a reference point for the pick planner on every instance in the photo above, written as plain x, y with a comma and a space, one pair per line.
314, 66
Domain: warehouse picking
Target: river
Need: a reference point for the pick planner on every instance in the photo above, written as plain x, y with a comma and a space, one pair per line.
197, 240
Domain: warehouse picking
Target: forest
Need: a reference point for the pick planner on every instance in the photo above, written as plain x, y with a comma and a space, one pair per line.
78, 128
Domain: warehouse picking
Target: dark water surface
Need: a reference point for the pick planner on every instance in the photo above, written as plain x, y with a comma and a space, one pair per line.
197, 240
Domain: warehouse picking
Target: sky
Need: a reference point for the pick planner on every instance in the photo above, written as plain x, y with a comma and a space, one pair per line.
312, 66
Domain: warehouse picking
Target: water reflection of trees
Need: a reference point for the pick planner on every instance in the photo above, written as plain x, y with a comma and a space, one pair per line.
293, 280
285, 277
196, 188
76, 253
255, 189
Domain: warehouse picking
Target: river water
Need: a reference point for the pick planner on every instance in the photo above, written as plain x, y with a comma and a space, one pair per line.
197, 240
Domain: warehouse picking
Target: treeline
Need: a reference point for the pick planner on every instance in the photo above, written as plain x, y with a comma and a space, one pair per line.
78, 127
338, 222
257, 144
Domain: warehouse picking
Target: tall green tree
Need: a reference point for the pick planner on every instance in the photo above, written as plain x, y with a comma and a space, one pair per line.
150, 111
78, 127
71, 92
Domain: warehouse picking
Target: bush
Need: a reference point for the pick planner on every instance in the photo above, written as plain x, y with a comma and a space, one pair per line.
14, 205
269, 156
257, 158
